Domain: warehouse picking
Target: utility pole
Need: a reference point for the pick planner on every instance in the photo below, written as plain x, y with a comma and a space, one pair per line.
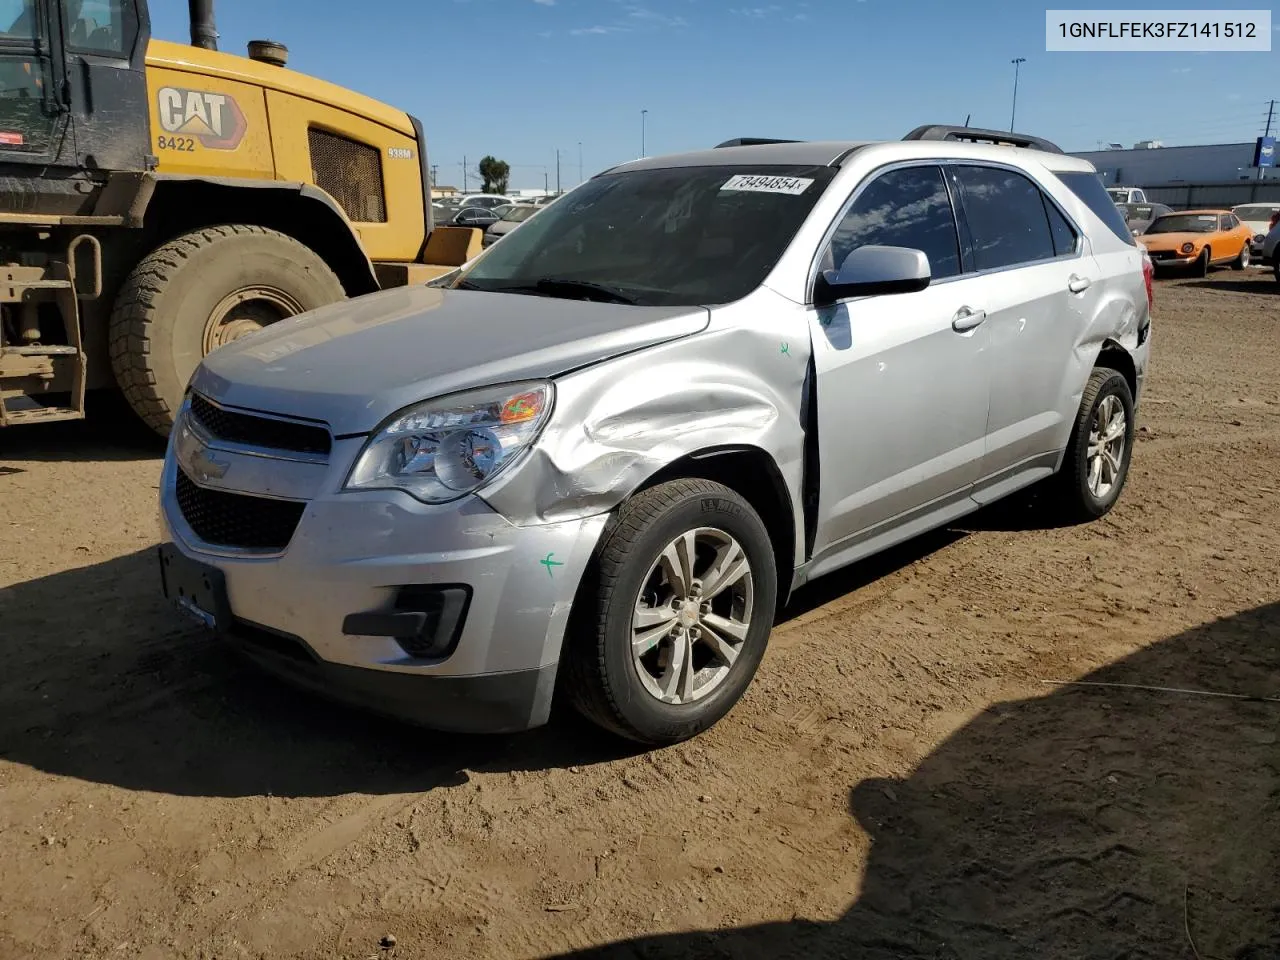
435, 174
464, 173
1271, 109
579, 161
1013, 116
557, 171
546, 186
643, 113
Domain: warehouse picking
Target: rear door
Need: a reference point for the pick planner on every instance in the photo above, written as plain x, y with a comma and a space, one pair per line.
902, 380
1039, 288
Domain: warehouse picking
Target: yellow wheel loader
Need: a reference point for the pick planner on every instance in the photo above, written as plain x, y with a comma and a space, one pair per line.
158, 200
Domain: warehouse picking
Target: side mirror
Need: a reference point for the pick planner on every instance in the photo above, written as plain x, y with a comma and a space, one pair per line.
872, 271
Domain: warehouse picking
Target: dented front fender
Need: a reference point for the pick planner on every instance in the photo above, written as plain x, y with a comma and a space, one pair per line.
738, 383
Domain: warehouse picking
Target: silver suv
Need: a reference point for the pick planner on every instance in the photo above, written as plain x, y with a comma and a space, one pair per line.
597, 458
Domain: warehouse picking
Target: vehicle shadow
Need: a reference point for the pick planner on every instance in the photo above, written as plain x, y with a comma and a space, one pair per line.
1093, 821
104, 681
111, 431
1263, 284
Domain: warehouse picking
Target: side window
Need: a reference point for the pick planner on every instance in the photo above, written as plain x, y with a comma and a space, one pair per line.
903, 208
106, 27
1064, 235
1006, 217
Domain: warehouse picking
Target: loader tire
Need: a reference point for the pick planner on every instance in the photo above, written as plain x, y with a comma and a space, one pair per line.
198, 292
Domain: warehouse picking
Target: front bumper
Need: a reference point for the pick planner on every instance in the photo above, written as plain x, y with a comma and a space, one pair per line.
353, 553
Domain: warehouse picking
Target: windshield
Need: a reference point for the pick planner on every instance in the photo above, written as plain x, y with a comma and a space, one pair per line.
1256, 212
1119, 196
1138, 211
679, 237
1185, 223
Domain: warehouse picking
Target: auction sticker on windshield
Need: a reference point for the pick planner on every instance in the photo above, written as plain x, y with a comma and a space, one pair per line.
760, 183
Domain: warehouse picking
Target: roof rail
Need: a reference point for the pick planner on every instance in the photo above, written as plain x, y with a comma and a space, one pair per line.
750, 142
941, 131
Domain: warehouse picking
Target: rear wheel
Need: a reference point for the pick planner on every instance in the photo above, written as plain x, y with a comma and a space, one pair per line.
675, 613
1241, 262
1097, 459
201, 291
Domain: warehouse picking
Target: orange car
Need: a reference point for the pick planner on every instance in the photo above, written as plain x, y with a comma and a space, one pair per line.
1198, 239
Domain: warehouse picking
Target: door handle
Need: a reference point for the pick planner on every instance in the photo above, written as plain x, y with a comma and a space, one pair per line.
1078, 284
966, 319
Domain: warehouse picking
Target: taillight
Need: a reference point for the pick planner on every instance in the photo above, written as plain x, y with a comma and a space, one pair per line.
1148, 275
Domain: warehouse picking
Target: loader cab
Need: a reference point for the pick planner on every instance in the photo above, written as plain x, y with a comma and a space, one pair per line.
73, 97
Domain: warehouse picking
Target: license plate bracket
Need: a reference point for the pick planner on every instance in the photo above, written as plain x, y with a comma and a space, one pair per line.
198, 589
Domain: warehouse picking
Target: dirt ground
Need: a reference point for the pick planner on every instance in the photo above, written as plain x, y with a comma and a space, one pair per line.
900, 780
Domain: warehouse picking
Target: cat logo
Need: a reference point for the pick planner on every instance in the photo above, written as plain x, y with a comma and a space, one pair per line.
215, 119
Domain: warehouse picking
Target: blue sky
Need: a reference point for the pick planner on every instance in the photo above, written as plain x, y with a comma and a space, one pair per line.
519, 78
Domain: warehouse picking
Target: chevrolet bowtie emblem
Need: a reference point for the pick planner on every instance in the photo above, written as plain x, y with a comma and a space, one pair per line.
207, 466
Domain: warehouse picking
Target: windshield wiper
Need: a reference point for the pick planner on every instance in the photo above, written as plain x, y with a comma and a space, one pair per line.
565, 287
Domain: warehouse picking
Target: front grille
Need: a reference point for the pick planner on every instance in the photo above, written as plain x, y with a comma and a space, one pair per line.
258, 431
351, 173
235, 519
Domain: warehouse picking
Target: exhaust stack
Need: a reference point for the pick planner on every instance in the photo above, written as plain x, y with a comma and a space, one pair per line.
204, 32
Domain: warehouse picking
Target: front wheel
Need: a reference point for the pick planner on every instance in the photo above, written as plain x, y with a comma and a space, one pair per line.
1201, 267
1097, 457
675, 613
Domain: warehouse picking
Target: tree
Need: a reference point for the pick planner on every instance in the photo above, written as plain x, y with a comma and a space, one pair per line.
495, 173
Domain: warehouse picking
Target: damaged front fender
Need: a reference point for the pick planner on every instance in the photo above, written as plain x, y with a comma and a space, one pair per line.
739, 383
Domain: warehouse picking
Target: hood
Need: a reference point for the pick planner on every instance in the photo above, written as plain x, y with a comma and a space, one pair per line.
1171, 241
352, 364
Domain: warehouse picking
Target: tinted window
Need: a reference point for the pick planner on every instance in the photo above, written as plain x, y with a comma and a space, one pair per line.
1006, 217
100, 26
904, 208
679, 236
1088, 187
1064, 235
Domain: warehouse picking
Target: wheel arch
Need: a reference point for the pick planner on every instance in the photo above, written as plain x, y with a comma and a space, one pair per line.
178, 204
754, 475
1116, 357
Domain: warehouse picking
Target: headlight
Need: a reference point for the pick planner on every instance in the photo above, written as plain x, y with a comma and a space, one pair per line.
443, 449
1188, 247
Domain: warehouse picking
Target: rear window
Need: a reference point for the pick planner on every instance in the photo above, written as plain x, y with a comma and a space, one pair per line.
1088, 187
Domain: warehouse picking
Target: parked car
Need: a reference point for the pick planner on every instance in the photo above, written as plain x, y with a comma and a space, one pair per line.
1198, 239
1127, 195
486, 200
601, 458
479, 217
510, 219
1271, 249
1259, 218
1139, 215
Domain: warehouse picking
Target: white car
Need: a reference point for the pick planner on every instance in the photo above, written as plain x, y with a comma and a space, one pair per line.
487, 200
1260, 218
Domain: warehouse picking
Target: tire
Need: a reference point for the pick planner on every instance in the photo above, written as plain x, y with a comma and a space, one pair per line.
1075, 500
1242, 262
599, 674
1201, 267
162, 322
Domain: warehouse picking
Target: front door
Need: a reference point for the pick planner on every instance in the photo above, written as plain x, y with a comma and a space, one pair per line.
33, 116
902, 380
